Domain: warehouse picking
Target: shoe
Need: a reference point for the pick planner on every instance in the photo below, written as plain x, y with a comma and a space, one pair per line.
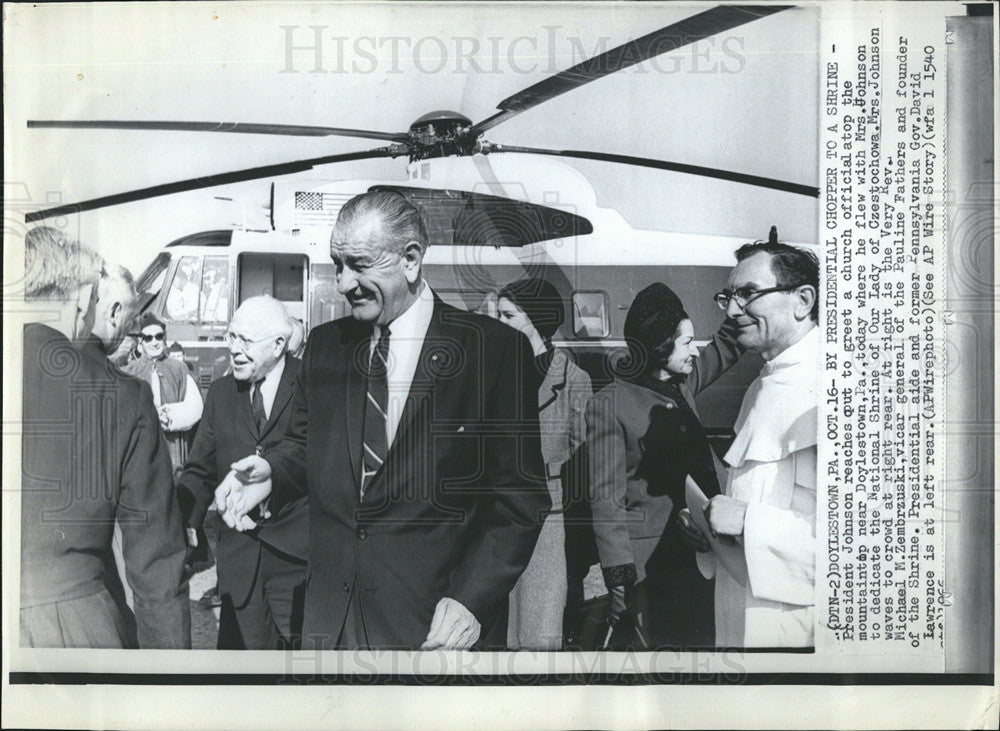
211, 599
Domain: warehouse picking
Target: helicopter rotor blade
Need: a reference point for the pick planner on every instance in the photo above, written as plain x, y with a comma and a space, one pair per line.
692, 29
677, 167
237, 127
209, 181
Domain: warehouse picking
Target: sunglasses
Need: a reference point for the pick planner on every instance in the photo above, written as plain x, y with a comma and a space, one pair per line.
151, 338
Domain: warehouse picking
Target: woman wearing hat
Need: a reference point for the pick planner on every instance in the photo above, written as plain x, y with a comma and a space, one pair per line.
535, 307
644, 438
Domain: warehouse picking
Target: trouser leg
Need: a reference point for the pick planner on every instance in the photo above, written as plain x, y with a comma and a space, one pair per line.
248, 626
284, 587
354, 634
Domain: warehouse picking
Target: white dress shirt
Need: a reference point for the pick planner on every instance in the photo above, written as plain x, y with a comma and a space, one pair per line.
406, 340
269, 386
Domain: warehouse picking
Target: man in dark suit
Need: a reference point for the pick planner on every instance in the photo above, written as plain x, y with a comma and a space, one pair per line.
91, 452
262, 574
416, 431
114, 315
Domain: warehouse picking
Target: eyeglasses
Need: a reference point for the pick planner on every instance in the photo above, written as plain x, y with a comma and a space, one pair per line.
151, 338
244, 342
745, 295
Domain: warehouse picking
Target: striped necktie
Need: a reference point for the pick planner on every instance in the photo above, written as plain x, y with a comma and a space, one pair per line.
376, 404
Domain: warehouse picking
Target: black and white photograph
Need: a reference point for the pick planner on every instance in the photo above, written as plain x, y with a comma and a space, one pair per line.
505, 347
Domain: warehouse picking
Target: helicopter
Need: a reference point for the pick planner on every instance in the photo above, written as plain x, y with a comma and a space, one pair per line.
490, 223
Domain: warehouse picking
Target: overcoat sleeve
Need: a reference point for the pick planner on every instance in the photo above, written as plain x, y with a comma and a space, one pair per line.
196, 487
288, 457
721, 354
152, 532
606, 484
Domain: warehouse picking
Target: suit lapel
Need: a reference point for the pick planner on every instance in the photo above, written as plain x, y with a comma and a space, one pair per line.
426, 374
554, 381
282, 396
356, 354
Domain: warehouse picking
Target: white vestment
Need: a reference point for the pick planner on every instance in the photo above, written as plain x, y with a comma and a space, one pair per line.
773, 468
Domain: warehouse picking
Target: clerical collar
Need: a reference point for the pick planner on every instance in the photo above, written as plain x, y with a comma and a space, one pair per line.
805, 348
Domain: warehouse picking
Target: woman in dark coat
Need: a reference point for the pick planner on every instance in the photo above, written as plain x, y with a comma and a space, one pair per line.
644, 437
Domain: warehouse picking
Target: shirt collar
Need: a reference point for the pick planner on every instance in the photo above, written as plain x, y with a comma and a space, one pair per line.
274, 375
412, 324
806, 348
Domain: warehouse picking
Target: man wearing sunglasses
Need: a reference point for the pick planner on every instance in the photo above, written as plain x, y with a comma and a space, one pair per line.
175, 393
769, 503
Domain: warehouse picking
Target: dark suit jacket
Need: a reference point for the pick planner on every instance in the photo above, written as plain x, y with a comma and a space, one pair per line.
638, 452
227, 433
92, 451
457, 507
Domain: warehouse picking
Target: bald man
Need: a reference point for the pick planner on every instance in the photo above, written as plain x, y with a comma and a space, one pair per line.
115, 311
261, 573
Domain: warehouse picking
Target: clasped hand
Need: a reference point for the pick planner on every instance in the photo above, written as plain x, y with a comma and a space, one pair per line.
691, 533
725, 516
246, 486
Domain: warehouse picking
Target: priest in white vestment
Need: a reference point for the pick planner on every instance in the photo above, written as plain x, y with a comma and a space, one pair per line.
769, 502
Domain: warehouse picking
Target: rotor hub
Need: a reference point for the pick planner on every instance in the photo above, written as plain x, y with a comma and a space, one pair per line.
441, 133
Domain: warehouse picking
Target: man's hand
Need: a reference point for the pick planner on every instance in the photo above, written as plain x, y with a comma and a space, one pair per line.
246, 486
691, 533
252, 469
725, 517
453, 628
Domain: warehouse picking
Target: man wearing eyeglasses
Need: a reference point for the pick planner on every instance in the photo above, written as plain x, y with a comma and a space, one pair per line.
414, 433
769, 504
261, 573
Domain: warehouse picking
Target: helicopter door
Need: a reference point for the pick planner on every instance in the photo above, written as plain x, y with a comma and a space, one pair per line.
282, 276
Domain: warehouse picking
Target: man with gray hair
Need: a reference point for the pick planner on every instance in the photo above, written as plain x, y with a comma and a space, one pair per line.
769, 503
91, 453
414, 430
114, 313
115, 307
261, 574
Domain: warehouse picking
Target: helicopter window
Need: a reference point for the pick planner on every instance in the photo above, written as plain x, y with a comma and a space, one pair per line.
590, 315
215, 289
151, 280
182, 299
325, 302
